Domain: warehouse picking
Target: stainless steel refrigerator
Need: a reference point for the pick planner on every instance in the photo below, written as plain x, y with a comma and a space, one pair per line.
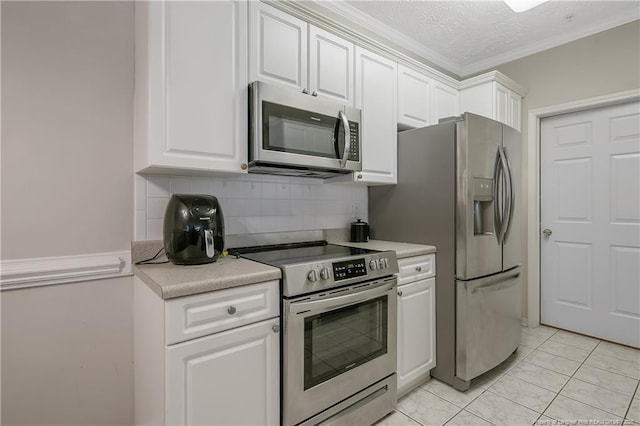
459, 188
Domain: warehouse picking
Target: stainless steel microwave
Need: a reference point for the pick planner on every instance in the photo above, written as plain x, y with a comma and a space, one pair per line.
297, 134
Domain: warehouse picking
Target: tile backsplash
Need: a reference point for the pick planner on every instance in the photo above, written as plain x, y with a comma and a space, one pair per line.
253, 203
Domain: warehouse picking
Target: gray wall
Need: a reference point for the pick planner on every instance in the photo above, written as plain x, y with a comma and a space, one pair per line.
67, 189
604, 63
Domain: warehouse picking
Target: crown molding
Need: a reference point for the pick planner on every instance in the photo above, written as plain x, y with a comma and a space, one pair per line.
496, 76
349, 13
358, 17
23, 273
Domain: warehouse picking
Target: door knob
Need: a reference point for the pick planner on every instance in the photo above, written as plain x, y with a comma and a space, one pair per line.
547, 232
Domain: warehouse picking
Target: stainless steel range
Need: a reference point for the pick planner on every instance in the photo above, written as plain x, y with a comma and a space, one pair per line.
339, 331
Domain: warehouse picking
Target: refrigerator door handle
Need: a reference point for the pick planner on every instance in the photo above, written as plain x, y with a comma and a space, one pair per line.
498, 284
511, 194
505, 205
497, 204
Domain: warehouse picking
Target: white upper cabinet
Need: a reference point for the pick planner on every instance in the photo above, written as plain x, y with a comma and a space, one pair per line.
278, 47
501, 103
422, 101
330, 66
414, 98
515, 110
290, 52
376, 96
493, 95
191, 78
446, 101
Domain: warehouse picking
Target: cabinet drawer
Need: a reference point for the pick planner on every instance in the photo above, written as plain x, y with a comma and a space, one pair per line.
416, 268
198, 315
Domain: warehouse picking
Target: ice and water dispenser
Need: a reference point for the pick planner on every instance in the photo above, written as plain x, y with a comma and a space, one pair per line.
483, 223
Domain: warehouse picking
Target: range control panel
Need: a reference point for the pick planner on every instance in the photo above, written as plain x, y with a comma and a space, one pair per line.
308, 277
349, 269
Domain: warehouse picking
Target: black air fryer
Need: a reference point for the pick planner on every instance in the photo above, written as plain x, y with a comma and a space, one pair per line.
193, 229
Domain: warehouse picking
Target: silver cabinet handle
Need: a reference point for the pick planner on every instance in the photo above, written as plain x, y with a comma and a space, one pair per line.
419, 268
305, 91
359, 176
314, 93
231, 310
400, 293
547, 232
275, 328
347, 138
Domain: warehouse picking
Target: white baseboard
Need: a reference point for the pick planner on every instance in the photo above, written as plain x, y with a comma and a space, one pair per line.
22, 273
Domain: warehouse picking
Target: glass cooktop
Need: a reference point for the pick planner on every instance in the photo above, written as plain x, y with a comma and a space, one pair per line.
307, 252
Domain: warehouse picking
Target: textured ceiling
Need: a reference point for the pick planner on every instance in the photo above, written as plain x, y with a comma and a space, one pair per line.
470, 36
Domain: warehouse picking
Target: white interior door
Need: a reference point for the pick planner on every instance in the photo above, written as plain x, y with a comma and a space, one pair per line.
590, 202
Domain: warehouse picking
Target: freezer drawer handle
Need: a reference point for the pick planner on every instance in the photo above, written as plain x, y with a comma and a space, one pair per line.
500, 285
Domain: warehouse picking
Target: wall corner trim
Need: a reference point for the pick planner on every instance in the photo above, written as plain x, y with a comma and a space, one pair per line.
23, 273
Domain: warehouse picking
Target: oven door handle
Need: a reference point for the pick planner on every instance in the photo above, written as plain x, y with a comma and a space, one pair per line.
331, 303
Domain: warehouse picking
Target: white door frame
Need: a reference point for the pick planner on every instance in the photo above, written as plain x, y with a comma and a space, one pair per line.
533, 185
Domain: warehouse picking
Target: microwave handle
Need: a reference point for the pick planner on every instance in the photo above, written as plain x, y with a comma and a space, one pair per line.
347, 138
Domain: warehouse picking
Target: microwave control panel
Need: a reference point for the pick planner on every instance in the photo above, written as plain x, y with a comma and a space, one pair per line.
349, 269
354, 151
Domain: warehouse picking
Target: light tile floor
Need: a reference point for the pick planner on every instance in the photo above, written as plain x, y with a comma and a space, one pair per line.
555, 377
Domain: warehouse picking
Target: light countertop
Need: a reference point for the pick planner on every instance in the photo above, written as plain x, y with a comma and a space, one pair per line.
169, 281
341, 237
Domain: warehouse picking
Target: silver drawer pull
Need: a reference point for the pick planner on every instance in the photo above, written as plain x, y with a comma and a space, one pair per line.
419, 268
275, 328
231, 310
400, 293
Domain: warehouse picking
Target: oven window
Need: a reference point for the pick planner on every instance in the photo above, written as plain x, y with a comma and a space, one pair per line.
339, 340
297, 131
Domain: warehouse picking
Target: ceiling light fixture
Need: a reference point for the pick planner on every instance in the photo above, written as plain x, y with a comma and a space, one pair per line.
523, 5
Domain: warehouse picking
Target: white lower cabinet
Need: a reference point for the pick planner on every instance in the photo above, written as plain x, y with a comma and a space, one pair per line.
416, 322
228, 376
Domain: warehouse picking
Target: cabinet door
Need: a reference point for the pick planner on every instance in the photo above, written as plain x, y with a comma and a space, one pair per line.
330, 66
414, 98
228, 378
416, 332
445, 101
515, 111
278, 47
501, 104
191, 85
376, 96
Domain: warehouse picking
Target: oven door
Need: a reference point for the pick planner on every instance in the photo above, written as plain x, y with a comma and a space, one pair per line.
291, 128
336, 344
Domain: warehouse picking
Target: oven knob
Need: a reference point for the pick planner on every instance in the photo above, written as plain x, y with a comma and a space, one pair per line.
384, 263
373, 264
324, 274
312, 276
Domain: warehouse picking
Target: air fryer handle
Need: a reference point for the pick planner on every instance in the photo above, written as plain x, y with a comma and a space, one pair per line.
209, 243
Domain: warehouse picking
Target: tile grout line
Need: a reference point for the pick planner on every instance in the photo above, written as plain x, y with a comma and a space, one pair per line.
488, 389
437, 396
571, 377
630, 404
533, 384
